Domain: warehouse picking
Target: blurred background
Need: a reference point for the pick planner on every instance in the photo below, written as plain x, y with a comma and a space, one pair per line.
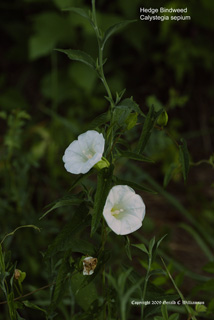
46, 100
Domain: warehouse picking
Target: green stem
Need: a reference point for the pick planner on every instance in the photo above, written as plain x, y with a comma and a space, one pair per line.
103, 269
100, 67
145, 285
100, 57
178, 291
200, 162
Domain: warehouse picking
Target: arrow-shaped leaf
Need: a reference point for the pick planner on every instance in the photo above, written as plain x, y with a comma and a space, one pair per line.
81, 56
80, 12
135, 156
104, 181
109, 32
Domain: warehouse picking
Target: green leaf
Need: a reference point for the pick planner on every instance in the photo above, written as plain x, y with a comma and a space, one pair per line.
147, 128
80, 56
133, 185
80, 12
127, 295
100, 120
120, 115
67, 237
123, 115
151, 245
199, 240
109, 32
157, 272
84, 294
209, 267
121, 281
188, 309
135, 156
174, 316
69, 201
19, 317
80, 179
154, 293
131, 120
11, 306
184, 158
127, 247
31, 305
131, 105
169, 174
104, 182
61, 282
142, 247
22, 276
2, 264
208, 285
164, 311
159, 241
155, 250
200, 308
119, 96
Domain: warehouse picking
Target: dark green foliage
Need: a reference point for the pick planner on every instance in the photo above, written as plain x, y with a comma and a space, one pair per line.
61, 282
135, 156
99, 120
68, 237
184, 158
104, 182
147, 128
134, 185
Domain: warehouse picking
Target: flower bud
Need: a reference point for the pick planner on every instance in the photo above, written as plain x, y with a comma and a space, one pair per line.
162, 119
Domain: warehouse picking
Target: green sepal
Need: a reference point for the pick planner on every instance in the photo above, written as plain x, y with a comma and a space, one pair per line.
103, 163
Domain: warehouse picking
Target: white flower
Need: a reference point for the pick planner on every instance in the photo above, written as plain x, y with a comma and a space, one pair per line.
89, 264
124, 210
83, 153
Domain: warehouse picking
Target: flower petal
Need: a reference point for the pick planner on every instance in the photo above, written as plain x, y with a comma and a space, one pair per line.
124, 210
82, 154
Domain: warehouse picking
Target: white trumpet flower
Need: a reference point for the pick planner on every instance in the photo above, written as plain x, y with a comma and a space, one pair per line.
124, 210
83, 153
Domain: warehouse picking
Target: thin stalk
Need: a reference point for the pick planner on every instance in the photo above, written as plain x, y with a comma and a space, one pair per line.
103, 269
145, 285
100, 67
100, 57
179, 292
